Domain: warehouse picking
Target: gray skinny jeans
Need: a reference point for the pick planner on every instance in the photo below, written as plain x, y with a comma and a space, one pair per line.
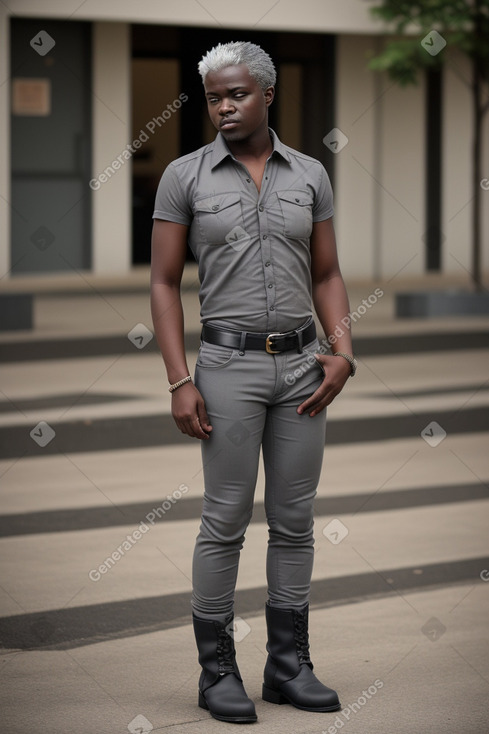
251, 400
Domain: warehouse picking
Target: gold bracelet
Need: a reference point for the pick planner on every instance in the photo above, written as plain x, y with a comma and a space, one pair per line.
179, 383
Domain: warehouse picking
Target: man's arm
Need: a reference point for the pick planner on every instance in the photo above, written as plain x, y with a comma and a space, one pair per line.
168, 251
331, 304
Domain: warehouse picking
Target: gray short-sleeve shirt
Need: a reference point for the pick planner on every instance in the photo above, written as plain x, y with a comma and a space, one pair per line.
252, 248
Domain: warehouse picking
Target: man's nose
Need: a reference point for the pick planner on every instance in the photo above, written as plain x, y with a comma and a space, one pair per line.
226, 106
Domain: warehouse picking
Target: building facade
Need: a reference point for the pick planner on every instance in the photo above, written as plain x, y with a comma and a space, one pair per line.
99, 96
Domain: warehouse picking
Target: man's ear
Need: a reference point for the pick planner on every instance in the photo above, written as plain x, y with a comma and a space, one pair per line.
269, 94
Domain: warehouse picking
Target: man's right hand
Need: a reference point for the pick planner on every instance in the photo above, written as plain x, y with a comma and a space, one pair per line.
189, 413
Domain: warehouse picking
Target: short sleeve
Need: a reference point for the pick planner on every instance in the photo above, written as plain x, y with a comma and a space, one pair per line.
171, 203
323, 204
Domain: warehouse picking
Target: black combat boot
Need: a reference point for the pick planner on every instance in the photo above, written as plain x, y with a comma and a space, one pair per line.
288, 670
221, 690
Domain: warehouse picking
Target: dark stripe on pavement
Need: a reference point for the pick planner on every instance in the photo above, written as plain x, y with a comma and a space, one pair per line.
77, 626
429, 392
105, 434
63, 400
151, 513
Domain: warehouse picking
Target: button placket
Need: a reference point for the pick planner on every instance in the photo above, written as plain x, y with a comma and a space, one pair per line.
265, 249
267, 263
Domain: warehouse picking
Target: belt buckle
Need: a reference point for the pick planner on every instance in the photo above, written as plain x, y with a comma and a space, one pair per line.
268, 345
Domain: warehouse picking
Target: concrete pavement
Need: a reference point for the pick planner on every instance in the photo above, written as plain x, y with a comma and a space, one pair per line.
399, 603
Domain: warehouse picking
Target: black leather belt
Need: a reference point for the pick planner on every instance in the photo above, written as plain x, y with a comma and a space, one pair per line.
273, 343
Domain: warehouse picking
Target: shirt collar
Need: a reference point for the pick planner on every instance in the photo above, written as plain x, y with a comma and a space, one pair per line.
221, 151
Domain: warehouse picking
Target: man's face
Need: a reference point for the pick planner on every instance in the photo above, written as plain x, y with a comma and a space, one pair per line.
236, 103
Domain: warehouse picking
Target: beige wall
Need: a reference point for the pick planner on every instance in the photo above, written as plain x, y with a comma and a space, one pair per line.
112, 132
379, 189
402, 180
355, 188
457, 157
380, 182
335, 16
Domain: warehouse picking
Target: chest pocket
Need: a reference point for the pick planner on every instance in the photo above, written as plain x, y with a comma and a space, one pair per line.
296, 209
218, 216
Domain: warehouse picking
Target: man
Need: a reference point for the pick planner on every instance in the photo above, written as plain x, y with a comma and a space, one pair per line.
257, 215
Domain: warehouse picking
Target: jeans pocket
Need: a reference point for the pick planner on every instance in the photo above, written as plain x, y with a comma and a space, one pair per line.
304, 367
310, 350
213, 356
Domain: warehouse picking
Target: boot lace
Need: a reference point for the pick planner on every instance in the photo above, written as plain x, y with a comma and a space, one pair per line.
225, 651
301, 637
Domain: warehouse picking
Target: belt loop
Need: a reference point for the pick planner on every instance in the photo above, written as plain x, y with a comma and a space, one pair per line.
242, 341
299, 341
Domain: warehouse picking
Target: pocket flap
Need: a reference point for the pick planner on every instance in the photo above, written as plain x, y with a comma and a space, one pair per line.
300, 198
217, 203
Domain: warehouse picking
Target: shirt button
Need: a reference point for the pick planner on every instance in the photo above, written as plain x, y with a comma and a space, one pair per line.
261, 208
297, 200
248, 180
215, 207
270, 285
272, 308
265, 236
267, 264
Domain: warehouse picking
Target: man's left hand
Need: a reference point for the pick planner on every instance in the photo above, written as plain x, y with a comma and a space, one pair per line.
337, 371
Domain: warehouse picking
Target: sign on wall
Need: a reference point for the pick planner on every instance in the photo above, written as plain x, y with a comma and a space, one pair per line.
31, 97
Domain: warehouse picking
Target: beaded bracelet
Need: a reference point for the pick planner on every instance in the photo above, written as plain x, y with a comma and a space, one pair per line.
179, 383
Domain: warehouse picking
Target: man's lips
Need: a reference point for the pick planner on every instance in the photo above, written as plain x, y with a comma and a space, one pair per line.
228, 123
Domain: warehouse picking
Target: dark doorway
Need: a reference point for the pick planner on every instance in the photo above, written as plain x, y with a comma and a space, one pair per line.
433, 237
51, 145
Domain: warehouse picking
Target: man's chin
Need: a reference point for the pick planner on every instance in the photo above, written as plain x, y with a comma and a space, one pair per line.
233, 135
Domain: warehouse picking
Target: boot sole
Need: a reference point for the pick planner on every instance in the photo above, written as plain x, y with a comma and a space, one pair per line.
228, 719
272, 696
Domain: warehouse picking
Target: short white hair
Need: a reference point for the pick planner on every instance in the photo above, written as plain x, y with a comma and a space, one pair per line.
259, 63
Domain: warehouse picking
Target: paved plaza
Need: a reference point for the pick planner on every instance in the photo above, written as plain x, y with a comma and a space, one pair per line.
100, 504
